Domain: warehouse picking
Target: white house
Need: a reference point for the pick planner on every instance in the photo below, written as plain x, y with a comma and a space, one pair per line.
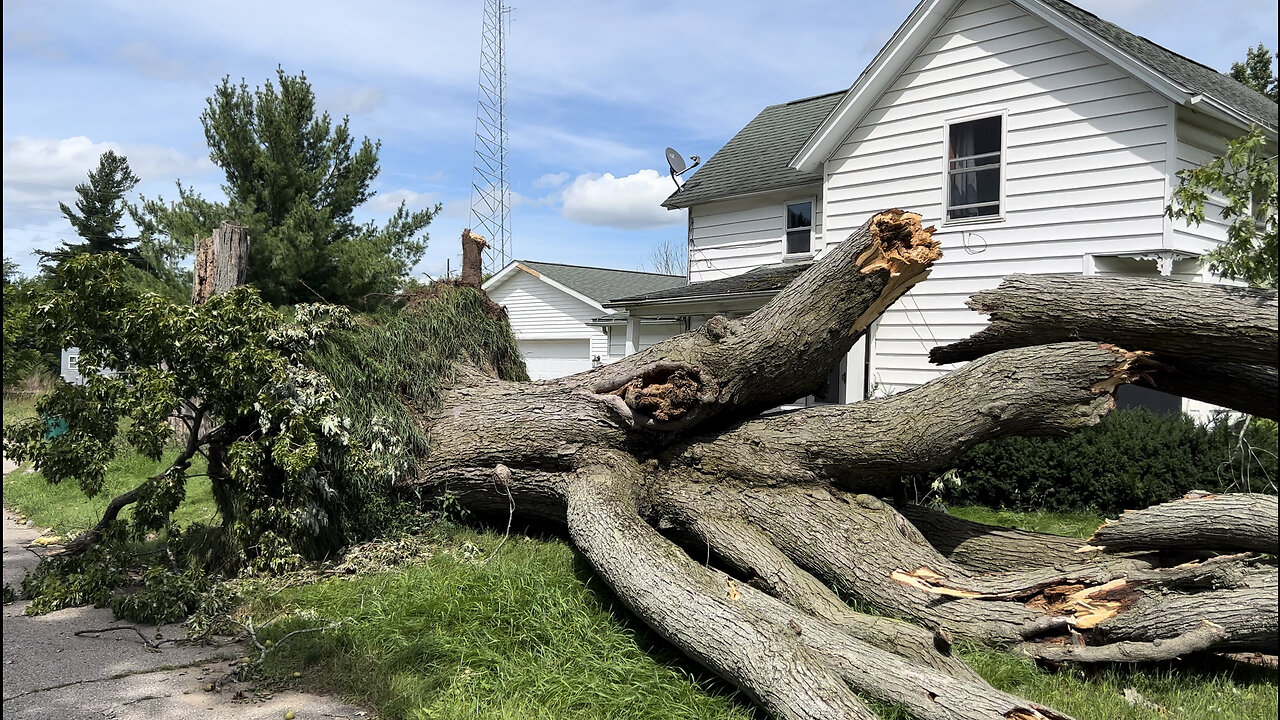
558, 316
1036, 137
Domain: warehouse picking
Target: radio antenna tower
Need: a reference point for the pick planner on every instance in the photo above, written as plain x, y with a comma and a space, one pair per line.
490, 186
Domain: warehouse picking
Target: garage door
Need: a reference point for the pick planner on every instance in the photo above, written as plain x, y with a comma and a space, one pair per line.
547, 359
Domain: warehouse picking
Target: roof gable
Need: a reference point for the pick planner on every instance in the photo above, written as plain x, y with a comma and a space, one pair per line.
1179, 79
1191, 76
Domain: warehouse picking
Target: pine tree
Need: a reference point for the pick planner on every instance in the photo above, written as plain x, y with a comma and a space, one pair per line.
295, 178
1256, 71
98, 216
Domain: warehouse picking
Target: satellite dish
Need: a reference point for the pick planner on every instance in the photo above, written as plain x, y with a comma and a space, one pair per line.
678, 166
677, 163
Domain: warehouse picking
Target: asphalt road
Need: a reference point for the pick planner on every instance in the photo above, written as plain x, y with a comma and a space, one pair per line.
50, 673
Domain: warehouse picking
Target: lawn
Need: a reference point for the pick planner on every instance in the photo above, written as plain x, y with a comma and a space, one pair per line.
533, 634
1071, 524
64, 510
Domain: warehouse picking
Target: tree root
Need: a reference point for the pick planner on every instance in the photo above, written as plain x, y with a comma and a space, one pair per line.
796, 665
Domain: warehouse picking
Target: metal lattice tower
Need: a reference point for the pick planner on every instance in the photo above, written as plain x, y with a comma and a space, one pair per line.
490, 187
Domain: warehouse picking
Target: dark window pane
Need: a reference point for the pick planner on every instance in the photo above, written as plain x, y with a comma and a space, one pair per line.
970, 212
829, 393
799, 215
798, 241
978, 186
975, 137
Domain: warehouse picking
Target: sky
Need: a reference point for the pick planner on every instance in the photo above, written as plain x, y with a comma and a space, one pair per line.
595, 91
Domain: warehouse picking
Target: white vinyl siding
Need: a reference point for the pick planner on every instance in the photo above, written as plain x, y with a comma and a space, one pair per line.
1084, 168
1195, 148
538, 311
734, 236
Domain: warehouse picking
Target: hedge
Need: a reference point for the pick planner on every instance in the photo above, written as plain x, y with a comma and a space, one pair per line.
1132, 459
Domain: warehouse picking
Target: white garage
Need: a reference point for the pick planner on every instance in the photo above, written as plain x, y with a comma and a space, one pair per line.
547, 359
555, 311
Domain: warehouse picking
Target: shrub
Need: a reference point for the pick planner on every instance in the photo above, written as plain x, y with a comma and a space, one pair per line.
1132, 459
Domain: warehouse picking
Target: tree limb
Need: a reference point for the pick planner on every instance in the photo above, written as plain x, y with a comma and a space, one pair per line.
93, 536
1218, 342
736, 368
1228, 521
867, 446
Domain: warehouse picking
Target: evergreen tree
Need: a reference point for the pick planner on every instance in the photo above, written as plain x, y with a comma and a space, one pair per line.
23, 351
1256, 71
295, 178
98, 216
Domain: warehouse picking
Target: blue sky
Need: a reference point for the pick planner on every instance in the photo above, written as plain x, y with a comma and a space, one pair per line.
596, 90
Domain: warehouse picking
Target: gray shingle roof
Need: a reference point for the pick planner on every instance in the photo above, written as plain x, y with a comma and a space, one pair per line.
1188, 73
769, 278
601, 284
758, 157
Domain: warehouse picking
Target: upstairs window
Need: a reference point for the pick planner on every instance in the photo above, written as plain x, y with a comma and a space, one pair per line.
799, 228
973, 168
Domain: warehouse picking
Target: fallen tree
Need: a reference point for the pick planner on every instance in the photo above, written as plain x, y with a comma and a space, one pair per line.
740, 538
669, 440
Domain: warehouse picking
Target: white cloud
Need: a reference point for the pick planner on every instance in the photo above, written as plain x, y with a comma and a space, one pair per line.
633, 202
551, 180
37, 167
39, 173
353, 101
558, 146
387, 202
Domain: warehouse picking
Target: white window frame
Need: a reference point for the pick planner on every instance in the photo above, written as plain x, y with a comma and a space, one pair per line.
73, 362
813, 218
999, 217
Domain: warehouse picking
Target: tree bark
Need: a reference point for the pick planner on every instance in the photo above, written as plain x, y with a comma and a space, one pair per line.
659, 464
986, 547
221, 261
732, 369
1245, 521
473, 247
1219, 343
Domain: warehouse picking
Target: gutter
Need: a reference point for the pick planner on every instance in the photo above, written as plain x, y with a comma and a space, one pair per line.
694, 298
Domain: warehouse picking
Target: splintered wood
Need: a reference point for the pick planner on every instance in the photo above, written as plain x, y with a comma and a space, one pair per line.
902, 246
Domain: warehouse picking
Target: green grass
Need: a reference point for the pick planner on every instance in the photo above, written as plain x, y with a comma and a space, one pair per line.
1186, 692
1071, 524
531, 634
64, 509
17, 407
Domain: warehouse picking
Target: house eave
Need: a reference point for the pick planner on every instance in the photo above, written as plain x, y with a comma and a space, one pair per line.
741, 195
694, 299
921, 25
879, 74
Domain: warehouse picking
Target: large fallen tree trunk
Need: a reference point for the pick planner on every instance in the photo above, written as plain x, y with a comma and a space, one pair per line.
1218, 343
740, 538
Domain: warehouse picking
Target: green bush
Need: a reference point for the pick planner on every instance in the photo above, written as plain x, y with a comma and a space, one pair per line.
1132, 459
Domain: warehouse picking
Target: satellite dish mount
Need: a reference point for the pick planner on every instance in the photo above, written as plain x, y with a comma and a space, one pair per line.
678, 166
